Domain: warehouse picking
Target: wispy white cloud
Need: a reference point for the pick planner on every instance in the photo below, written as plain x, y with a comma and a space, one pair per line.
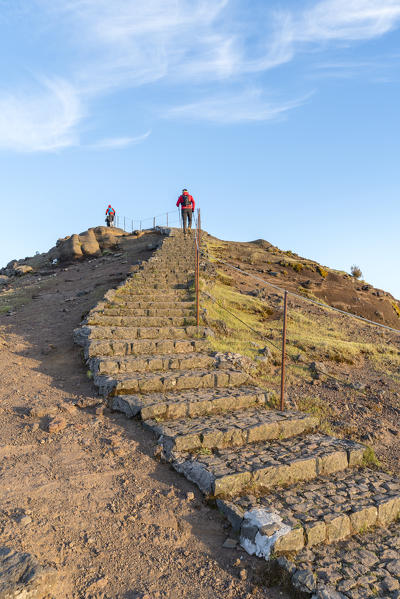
247, 106
125, 44
118, 143
348, 20
43, 120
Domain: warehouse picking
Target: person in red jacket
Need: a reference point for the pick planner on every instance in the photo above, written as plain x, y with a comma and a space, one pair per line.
186, 202
110, 215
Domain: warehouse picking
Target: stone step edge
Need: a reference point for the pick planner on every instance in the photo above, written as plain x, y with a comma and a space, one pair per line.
130, 348
262, 531
120, 385
82, 335
132, 405
203, 357
164, 321
237, 483
149, 303
231, 436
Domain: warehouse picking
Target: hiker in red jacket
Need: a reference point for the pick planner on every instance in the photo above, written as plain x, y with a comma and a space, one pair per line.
110, 214
186, 202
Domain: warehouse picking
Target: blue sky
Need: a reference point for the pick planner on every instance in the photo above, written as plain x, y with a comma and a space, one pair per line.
281, 118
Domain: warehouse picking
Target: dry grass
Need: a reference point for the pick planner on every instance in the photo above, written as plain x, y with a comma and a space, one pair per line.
318, 334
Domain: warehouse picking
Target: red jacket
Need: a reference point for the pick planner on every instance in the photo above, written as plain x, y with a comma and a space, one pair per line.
180, 201
110, 211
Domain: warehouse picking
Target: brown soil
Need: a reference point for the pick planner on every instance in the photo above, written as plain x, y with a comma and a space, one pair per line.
90, 499
371, 415
301, 275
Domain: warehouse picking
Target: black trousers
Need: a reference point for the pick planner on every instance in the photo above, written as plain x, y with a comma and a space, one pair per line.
187, 218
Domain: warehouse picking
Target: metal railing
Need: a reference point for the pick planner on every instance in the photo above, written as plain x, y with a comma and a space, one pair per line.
197, 242
165, 219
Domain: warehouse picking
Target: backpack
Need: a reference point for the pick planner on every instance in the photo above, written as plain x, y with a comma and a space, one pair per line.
186, 201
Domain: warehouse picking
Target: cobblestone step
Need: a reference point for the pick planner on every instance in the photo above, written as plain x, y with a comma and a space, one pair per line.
325, 510
85, 333
263, 466
151, 303
144, 280
367, 566
170, 406
161, 312
170, 381
147, 286
137, 293
139, 347
140, 321
153, 363
230, 430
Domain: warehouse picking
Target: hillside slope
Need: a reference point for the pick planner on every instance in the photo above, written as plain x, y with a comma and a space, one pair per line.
309, 278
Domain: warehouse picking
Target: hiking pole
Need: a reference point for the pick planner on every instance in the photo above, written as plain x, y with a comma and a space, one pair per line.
282, 406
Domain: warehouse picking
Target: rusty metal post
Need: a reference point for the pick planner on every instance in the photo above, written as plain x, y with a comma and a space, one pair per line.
197, 285
199, 225
282, 406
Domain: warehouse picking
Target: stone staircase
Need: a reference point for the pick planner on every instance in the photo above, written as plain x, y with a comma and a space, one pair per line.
283, 486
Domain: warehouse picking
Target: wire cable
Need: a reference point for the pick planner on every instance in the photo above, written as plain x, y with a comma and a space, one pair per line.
240, 320
307, 299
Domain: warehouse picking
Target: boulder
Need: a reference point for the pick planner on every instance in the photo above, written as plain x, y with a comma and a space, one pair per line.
21, 577
107, 237
22, 269
69, 248
89, 244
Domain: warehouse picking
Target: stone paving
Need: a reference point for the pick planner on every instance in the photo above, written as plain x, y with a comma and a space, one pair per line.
324, 510
366, 566
163, 363
264, 466
169, 381
229, 430
191, 404
287, 490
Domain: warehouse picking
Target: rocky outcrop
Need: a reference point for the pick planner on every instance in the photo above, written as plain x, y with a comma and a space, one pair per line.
90, 243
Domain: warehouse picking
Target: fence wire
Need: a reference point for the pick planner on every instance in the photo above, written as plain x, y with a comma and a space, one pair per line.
292, 339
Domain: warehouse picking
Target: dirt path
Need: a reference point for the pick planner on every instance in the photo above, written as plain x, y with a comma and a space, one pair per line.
91, 500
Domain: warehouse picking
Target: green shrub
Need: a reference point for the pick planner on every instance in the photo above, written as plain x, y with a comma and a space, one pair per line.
396, 308
356, 271
297, 266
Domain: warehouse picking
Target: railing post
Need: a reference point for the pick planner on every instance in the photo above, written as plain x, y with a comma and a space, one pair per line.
282, 405
197, 285
198, 226
140, 225
124, 223
154, 222
167, 219
132, 225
